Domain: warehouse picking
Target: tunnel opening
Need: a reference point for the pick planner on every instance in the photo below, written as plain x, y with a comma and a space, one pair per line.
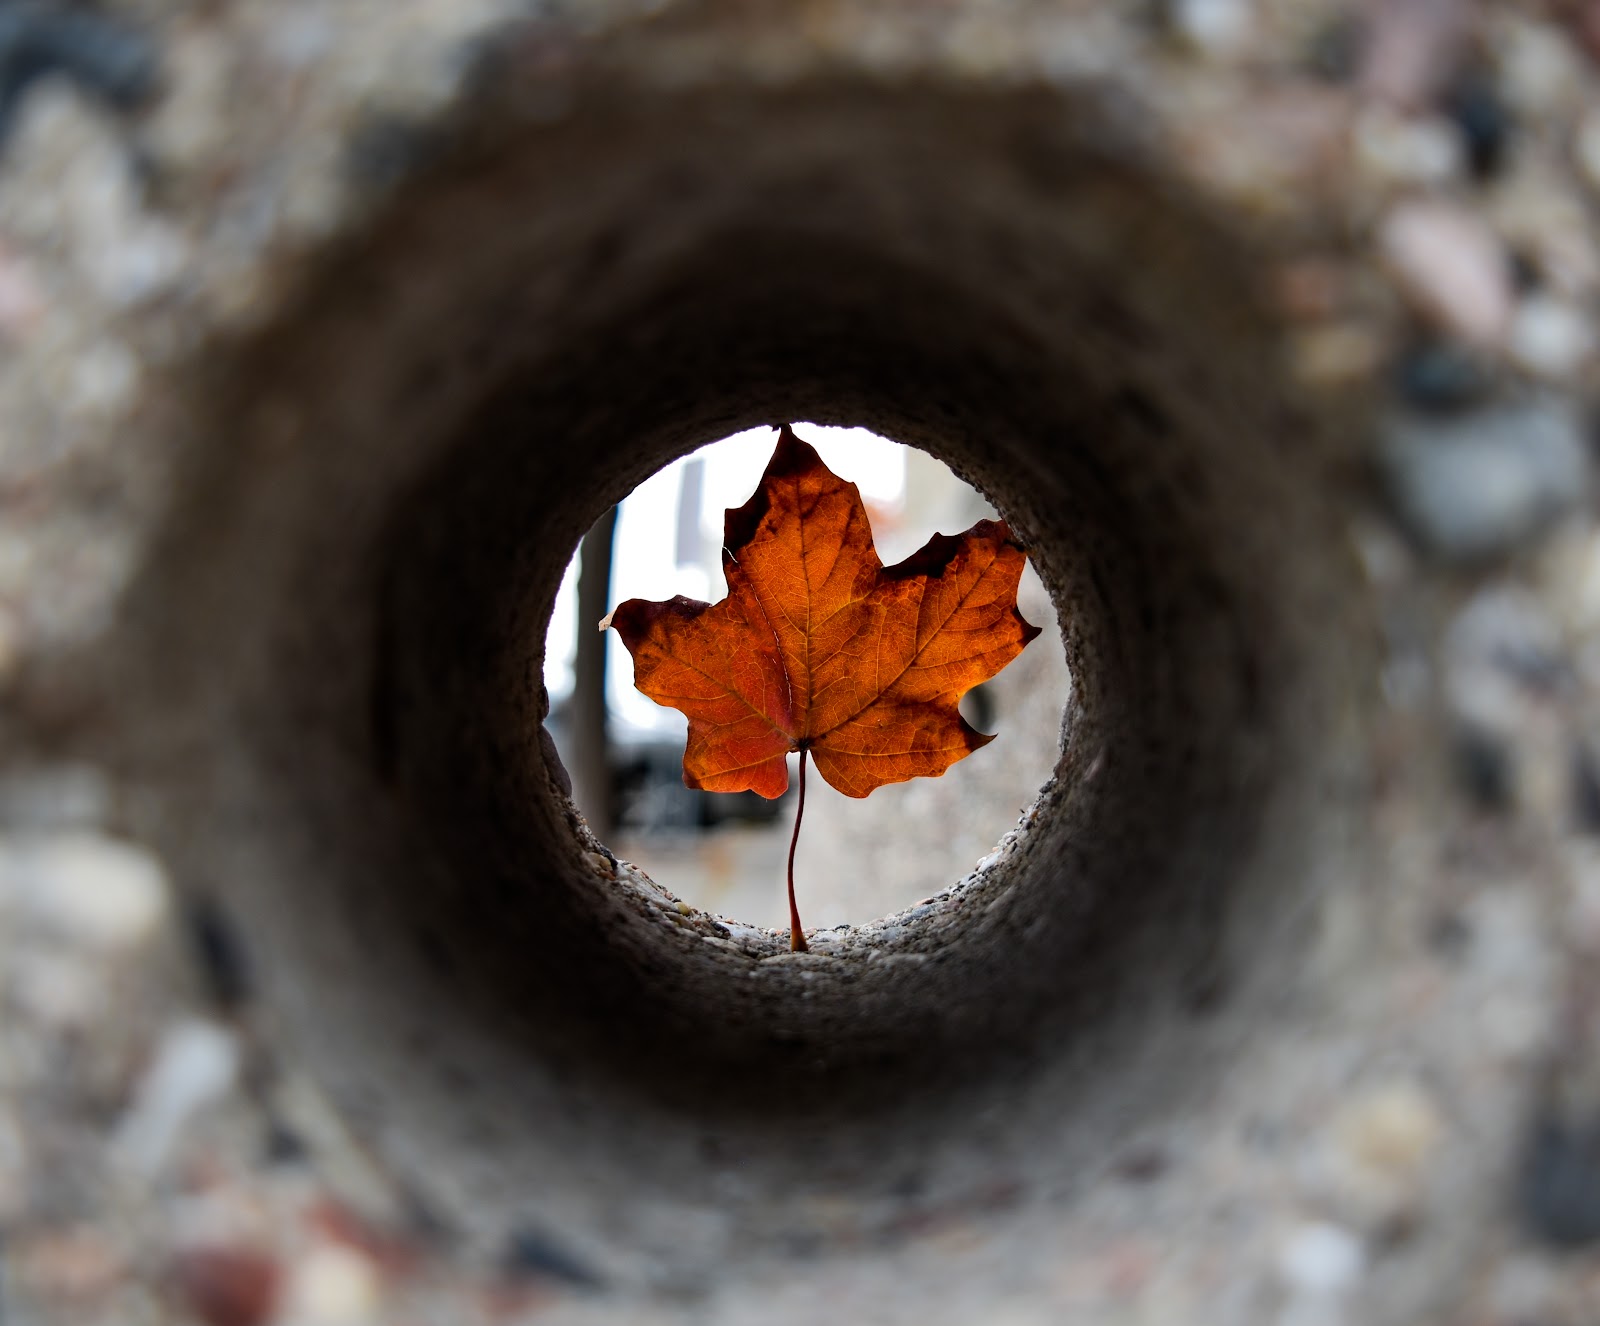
341, 649
724, 853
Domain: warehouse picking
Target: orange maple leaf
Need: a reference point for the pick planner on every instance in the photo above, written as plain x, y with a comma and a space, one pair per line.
820, 648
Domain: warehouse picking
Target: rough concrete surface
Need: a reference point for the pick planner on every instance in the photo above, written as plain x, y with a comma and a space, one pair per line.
329, 328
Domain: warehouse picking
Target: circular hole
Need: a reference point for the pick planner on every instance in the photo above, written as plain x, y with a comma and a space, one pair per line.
725, 853
336, 659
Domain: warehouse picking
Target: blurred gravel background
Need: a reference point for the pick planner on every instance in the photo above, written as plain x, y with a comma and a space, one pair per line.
1425, 179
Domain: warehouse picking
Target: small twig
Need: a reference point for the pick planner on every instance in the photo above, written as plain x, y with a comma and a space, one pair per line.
797, 940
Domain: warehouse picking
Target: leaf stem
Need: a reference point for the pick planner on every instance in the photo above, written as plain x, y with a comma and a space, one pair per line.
797, 939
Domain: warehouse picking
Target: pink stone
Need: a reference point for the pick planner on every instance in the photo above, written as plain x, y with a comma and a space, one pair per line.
1450, 267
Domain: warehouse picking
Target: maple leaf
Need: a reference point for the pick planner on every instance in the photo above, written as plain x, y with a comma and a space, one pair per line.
821, 649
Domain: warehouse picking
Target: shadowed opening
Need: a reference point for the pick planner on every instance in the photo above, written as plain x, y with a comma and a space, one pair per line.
725, 853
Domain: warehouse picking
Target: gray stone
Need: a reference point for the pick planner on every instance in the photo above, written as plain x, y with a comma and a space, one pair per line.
1449, 265
1475, 487
195, 1065
1321, 1260
83, 889
1560, 1183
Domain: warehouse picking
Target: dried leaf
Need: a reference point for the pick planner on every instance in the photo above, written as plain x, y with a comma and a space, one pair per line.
819, 647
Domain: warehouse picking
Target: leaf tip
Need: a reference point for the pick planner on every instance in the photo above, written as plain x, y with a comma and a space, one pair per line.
605, 622
793, 455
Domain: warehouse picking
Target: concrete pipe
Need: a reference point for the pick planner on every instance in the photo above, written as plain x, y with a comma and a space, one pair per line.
322, 681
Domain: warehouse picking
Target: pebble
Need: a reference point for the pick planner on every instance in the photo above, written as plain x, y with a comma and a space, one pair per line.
188, 130
1538, 69
1501, 661
1335, 355
334, 1286
534, 1255
1475, 486
101, 54
1393, 1128
1485, 768
1443, 377
1383, 1141
70, 189
1321, 1260
1450, 268
1550, 337
194, 1066
220, 951
1560, 1182
1483, 121
1217, 28
1411, 48
1501, 649
84, 888
747, 936
1401, 149
229, 1285
1545, 222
